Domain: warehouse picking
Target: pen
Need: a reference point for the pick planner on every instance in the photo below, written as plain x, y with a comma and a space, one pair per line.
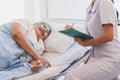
73, 24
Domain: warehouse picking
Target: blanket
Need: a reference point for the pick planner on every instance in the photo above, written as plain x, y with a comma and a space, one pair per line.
14, 61
16, 71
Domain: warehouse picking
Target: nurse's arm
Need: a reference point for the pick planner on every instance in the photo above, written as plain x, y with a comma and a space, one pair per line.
106, 36
19, 36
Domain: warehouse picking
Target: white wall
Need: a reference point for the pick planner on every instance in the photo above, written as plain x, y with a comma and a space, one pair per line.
35, 10
68, 9
29, 10
43, 9
11, 9
71, 9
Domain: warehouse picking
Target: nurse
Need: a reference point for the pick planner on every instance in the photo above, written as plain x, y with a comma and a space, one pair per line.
104, 64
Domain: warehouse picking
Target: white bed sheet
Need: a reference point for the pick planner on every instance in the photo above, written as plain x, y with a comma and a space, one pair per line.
59, 62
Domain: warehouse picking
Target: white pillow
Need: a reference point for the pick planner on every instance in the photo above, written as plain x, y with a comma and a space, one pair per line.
58, 42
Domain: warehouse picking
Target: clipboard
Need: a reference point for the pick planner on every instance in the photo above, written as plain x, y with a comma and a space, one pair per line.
76, 33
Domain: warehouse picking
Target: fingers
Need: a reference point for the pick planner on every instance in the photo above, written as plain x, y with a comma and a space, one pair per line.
35, 68
49, 65
44, 62
79, 40
69, 27
76, 39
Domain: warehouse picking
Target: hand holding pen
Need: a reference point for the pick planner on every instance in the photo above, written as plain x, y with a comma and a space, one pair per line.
70, 26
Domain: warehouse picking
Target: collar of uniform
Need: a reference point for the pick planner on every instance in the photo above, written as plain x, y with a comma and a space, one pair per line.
95, 6
89, 9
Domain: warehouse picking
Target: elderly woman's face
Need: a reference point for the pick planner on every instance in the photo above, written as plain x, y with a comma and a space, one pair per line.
93, 1
41, 31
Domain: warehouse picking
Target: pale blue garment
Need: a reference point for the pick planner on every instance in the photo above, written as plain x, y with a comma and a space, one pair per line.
13, 59
10, 51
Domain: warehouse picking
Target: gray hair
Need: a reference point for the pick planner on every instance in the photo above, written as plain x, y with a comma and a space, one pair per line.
45, 25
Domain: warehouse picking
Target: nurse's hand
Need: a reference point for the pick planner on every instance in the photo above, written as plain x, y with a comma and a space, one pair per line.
69, 27
80, 41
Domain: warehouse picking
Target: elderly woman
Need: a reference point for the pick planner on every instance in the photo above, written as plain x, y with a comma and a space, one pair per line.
18, 40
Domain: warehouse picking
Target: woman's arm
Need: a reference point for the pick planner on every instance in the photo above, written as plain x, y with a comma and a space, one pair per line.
101, 39
19, 37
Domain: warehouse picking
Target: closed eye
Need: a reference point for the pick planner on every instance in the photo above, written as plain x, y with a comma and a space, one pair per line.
46, 29
42, 31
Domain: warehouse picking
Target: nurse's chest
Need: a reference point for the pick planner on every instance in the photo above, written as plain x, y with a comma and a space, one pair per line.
94, 23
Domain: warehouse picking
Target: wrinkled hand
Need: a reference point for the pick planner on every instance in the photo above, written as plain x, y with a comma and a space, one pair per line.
69, 27
43, 62
80, 41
